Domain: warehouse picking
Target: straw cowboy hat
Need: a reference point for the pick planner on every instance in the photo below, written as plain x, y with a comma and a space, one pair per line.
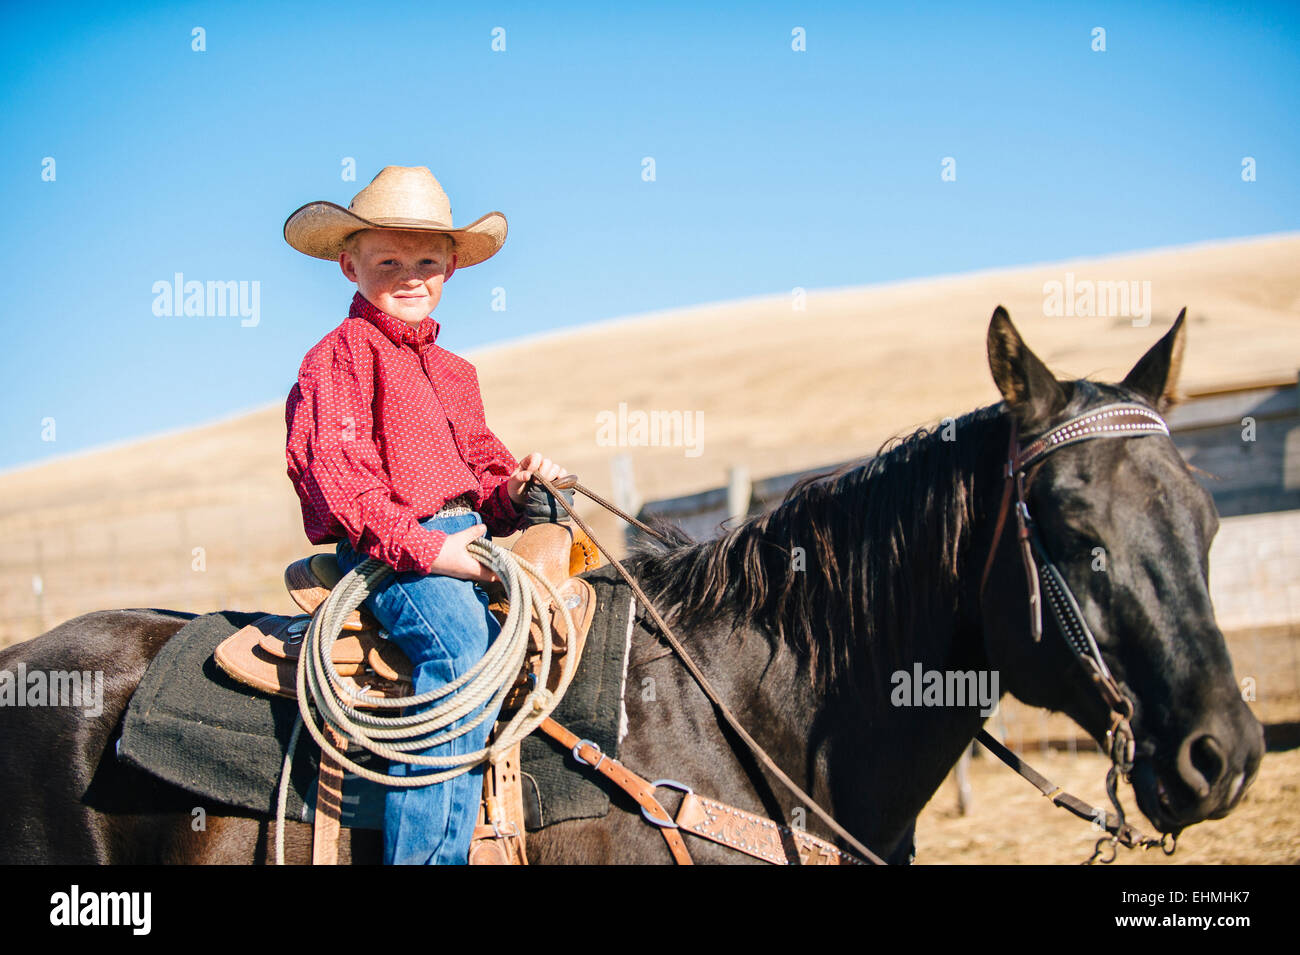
400, 197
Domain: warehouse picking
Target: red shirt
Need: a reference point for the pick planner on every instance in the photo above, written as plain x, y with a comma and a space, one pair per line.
384, 426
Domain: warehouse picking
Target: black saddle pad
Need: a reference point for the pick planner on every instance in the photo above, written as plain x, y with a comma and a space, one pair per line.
195, 727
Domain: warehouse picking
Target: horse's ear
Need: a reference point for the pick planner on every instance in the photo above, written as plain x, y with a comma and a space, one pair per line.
1155, 376
1031, 392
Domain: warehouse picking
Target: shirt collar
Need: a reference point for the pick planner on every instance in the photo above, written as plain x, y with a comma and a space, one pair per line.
398, 331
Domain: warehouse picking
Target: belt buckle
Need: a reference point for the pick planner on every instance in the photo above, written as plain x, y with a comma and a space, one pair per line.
462, 501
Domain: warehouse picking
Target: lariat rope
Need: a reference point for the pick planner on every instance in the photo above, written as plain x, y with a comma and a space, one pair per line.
396, 738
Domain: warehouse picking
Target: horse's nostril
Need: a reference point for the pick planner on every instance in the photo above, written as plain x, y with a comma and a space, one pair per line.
1201, 763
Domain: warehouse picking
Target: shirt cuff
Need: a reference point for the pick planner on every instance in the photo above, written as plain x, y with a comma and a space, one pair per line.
420, 549
499, 513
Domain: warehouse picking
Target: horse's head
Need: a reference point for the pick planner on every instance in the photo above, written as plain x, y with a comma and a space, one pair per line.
1129, 529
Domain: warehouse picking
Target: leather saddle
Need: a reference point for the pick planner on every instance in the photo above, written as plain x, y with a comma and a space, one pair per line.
264, 655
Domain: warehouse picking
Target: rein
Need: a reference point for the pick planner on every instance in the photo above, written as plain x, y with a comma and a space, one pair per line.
1120, 419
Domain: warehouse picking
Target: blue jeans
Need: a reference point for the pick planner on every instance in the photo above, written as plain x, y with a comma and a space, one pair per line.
443, 624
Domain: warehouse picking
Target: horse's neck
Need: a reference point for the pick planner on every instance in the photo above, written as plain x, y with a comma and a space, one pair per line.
911, 745
916, 746
882, 762
872, 764
875, 763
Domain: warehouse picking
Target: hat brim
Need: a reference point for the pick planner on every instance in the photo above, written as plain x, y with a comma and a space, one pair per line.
319, 229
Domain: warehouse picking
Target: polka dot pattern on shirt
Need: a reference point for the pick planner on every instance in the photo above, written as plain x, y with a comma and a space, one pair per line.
384, 426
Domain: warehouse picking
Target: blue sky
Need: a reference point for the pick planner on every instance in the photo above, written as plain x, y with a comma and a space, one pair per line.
774, 168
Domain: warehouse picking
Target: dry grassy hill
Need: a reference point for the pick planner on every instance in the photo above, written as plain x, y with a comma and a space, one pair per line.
206, 519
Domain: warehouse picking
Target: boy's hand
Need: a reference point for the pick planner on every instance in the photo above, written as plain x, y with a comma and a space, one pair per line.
455, 561
535, 463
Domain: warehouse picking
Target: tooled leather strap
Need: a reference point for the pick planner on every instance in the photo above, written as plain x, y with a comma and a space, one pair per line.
329, 805
499, 836
699, 815
639, 789
755, 835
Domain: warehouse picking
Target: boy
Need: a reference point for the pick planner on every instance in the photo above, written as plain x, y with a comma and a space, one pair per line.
390, 455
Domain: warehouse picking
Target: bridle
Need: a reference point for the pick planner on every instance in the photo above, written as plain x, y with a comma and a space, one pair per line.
1116, 420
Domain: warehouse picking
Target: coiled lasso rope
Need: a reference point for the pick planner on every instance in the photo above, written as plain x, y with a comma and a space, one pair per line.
396, 737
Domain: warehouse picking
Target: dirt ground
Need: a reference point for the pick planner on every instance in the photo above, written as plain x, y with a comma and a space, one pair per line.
1010, 823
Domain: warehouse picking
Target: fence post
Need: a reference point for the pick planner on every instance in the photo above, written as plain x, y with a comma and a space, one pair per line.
740, 491
624, 493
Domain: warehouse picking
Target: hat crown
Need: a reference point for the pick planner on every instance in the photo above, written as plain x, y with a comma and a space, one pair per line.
400, 197
403, 194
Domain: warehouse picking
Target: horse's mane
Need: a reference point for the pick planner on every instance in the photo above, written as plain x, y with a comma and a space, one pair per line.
881, 544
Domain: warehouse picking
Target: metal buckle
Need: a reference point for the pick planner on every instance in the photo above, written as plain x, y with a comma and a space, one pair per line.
594, 745
667, 784
505, 830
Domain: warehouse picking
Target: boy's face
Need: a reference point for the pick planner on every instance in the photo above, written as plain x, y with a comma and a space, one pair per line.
400, 272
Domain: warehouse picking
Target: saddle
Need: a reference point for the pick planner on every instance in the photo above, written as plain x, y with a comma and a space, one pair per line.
264, 655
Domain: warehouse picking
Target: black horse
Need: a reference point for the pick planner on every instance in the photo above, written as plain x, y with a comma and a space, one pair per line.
800, 617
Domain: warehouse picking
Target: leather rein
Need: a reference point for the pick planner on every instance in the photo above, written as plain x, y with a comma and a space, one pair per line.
767, 840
